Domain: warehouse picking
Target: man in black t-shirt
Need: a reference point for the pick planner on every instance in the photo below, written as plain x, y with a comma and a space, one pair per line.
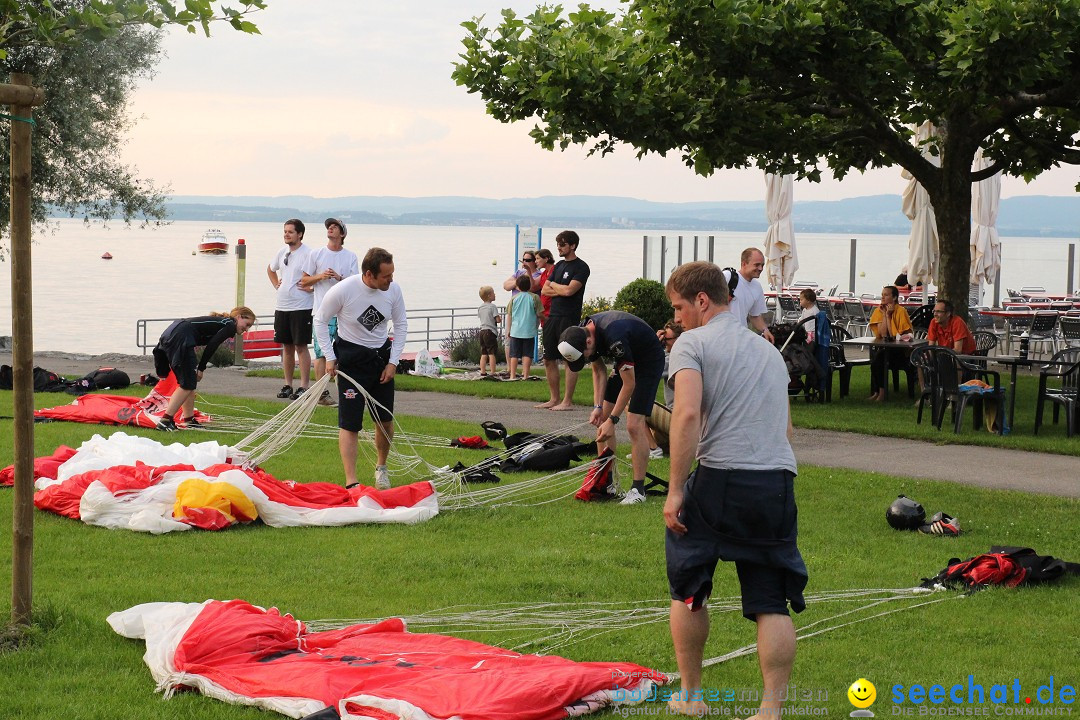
566, 288
639, 362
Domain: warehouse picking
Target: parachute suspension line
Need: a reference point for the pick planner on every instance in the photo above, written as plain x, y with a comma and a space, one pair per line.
398, 463
547, 626
278, 434
536, 491
751, 649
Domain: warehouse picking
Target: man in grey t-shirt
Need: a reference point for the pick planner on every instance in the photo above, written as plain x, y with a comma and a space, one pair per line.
738, 505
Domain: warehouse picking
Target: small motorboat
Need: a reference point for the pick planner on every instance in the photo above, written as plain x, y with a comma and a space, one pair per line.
213, 242
107, 256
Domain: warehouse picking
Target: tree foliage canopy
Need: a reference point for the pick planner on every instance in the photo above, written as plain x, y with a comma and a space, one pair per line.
789, 85
88, 56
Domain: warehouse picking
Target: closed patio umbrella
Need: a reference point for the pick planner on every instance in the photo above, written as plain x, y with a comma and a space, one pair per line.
781, 258
923, 242
985, 242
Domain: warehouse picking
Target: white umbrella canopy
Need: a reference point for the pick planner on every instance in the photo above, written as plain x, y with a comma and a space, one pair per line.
985, 241
923, 241
781, 258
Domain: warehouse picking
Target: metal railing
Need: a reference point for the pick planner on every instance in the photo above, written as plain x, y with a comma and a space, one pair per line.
428, 327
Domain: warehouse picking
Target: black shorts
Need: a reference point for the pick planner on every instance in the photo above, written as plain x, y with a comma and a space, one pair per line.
743, 516
365, 366
489, 344
553, 330
175, 351
292, 327
521, 347
646, 380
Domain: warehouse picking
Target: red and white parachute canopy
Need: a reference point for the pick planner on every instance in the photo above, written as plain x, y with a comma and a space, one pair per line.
239, 653
136, 483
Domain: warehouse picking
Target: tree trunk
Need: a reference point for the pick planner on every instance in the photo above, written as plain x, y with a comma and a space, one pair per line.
952, 208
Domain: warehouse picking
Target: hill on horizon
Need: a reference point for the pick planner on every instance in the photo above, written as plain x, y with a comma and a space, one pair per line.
1034, 216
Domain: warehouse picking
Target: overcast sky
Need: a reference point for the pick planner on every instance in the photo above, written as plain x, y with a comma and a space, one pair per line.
352, 97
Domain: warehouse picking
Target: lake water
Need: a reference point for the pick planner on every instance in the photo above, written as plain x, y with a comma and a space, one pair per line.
88, 305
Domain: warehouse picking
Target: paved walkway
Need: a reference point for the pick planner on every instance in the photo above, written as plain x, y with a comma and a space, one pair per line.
979, 466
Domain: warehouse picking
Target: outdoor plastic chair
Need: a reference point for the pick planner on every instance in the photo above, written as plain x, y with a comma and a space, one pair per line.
1069, 327
856, 315
978, 321
832, 291
985, 341
789, 308
826, 307
951, 372
839, 361
922, 359
921, 316
1065, 394
1043, 331
1018, 324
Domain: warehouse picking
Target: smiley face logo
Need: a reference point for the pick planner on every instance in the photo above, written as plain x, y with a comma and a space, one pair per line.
862, 693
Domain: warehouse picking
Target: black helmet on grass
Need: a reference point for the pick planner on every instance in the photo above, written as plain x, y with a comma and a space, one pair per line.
905, 514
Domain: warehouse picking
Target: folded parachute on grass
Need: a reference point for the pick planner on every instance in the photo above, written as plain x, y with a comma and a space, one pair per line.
239, 653
119, 409
135, 483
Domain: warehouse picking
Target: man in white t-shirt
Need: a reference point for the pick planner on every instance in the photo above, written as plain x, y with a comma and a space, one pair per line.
365, 305
325, 268
292, 310
748, 299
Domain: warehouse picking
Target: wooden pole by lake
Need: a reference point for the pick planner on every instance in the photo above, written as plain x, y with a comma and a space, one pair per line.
241, 284
21, 98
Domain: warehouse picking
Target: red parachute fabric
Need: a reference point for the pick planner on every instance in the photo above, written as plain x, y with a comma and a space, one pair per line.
598, 481
988, 569
125, 493
243, 654
43, 466
119, 409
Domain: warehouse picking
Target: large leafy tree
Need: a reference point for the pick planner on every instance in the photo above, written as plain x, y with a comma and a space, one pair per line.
791, 85
88, 55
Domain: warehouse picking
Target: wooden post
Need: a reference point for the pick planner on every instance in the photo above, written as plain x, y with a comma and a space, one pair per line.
241, 283
21, 98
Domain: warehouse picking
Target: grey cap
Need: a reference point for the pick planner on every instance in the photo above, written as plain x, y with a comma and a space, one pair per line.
334, 221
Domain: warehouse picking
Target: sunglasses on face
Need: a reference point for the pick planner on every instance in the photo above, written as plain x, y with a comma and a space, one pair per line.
528, 259
562, 244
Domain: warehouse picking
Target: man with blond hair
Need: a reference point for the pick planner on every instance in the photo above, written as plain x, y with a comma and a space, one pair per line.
738, 504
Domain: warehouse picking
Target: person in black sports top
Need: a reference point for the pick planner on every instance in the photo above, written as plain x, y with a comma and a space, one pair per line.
175, 351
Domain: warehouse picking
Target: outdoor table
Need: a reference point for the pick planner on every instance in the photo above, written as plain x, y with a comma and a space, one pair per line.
1013, 362
871, 343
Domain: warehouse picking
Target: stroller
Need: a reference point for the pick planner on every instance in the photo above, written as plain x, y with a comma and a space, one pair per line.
807, 363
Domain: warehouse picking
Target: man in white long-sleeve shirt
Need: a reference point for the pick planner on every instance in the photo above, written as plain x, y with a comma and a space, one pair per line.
363, 305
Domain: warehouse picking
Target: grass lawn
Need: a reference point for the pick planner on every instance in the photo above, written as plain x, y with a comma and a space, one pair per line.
854, 413
76, 667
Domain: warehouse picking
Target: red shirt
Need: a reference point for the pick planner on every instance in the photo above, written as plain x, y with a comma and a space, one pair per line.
947, 335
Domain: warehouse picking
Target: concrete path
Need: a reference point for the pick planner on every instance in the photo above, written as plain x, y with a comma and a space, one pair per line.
979, 466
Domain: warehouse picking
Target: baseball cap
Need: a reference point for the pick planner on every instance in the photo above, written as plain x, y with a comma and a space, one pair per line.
334, 221
572, 347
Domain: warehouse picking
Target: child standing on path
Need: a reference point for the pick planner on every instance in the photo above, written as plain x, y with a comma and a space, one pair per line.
489, 331
523, 316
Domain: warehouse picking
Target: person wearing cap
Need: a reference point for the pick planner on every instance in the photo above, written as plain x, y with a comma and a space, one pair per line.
324, 269
738, 505
639, 362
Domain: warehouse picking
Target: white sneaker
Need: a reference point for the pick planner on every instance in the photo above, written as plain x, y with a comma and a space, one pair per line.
632, 498
382, 479
654, 453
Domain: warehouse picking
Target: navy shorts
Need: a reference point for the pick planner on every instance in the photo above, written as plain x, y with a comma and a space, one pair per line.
365, 366
553, 330
743, 516
521, 347
646, 380
292, 327
176, 349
